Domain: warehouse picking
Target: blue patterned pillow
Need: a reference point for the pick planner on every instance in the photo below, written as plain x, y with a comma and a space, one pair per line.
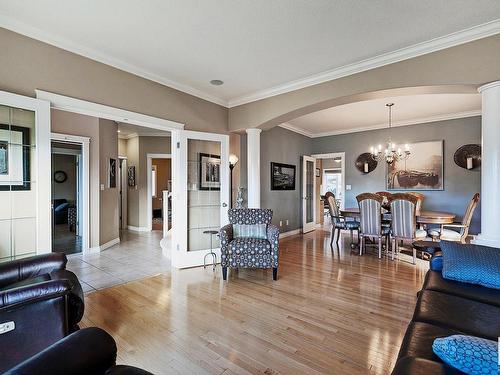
250, 231
471, 264
472, 355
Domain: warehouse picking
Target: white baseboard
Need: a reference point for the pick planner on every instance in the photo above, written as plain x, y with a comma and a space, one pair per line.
98, 249
290, 233
138, 229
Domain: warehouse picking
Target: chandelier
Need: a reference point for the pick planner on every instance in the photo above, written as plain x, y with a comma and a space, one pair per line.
390, 154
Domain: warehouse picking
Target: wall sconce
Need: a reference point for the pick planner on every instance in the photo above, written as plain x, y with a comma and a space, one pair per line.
233, 160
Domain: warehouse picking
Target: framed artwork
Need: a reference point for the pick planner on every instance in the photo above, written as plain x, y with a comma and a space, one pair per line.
282, 176
15, 158
131, 176
318, 172
112, 173
209, 173
423, 170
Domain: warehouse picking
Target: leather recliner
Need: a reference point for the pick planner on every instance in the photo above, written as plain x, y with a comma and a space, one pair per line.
88, 351
40, 303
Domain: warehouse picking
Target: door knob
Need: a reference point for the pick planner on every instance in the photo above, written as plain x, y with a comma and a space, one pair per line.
224, 204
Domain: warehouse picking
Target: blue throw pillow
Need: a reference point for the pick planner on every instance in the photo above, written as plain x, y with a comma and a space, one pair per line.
473, 264
250, 231
472, 355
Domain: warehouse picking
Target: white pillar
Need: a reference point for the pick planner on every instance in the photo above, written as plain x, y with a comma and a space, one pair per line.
253, 167
490, 165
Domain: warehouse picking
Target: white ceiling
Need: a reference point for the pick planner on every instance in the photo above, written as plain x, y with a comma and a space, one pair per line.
129, 131
373, 114
257, 47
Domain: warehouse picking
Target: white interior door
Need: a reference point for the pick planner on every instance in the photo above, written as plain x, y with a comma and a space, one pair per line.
25, 169
308, 194
200, 195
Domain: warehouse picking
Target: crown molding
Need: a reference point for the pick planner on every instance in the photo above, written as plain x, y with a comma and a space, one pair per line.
422, 120
61, 42
433, 45
135, 135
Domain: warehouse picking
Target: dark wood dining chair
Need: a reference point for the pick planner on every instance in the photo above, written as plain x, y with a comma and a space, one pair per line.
339, 222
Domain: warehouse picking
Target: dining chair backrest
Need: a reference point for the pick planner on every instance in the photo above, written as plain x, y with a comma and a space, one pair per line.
333, 208
370, 213
420, 201
469, 212
404, 218
387, 198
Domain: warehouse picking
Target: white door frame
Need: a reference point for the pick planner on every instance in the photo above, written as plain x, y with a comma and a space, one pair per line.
307, 227
181, 257
85, 143
149, 166
69, 104
43, 157
333, 155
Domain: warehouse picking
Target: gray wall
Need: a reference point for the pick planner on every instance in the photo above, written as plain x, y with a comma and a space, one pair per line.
283, 146
459, 184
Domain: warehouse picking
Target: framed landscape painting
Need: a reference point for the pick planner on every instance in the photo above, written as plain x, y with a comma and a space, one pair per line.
282, 176
423, 170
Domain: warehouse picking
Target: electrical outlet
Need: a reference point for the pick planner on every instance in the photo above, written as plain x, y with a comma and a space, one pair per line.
287, 222
281, 223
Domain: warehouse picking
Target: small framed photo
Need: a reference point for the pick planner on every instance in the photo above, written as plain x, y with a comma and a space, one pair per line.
318, 172
209, 173
131, 176
112, 173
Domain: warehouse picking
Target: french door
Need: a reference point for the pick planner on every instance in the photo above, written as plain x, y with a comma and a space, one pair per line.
200, 195
308, 194
24, 176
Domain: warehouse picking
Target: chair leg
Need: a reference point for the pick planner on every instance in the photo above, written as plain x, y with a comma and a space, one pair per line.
333, 235
338, 236
414, 256
275, 273
224, 273
380, 247
393, 247
361, 245
358, 237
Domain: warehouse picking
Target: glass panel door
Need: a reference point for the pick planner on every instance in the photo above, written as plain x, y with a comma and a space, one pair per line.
308, 191
200, 211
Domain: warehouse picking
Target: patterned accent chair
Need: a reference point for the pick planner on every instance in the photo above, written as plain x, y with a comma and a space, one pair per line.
249, 252
463, 227
404, 222
370, 214
339, 222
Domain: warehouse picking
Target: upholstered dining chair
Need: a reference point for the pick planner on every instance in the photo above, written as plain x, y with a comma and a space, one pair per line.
387, 198
404, 222
249, 240
420, 201
463, 228
370, 223
339, 222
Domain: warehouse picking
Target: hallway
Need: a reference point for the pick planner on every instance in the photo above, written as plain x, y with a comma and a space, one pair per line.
137, 256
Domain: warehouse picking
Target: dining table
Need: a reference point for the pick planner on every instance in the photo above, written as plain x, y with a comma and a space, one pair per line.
425, 216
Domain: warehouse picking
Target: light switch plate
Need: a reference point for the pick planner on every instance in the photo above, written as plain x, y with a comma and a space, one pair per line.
348, 187
102, 186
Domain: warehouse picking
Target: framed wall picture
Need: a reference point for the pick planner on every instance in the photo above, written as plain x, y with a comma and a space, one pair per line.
131, 176
112, 173
282, 176
15, 158
209, 172
318, 172
423, 170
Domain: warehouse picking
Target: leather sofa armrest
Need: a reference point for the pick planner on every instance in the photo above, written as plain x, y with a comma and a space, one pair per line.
436, 262
420, 366
21, 269
27, 294
87, 351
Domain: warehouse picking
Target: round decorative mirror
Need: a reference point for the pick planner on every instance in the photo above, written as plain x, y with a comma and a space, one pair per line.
468, 156
365, 163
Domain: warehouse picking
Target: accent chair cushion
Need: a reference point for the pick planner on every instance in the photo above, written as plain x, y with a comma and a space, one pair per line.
250, 253
258, 231
472, 355
472, 264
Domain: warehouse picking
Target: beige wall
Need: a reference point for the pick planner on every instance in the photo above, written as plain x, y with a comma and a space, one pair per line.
472, 64
30, 64
133, 191
122, 147
85, 126
163, 175
109, 197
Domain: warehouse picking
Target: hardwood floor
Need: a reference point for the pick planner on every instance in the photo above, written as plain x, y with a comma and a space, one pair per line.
330, 312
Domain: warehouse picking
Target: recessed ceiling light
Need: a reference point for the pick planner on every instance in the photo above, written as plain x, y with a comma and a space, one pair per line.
216, 82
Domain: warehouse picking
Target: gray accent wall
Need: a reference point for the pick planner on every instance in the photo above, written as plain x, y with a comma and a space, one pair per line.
283, 146
459, 184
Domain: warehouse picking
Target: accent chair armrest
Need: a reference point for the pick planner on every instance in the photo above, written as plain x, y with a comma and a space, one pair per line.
21, 269
87, 351
273, 236
27, 294
226, 233
436, 261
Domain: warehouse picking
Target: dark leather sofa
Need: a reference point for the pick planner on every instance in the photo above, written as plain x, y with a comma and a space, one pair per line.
445, 308
41, 300
88, 351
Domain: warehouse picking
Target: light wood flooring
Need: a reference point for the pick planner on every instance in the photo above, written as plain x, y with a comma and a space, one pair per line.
330, 312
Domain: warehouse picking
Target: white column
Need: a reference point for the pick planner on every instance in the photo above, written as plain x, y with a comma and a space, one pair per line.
490, 165
253, 167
